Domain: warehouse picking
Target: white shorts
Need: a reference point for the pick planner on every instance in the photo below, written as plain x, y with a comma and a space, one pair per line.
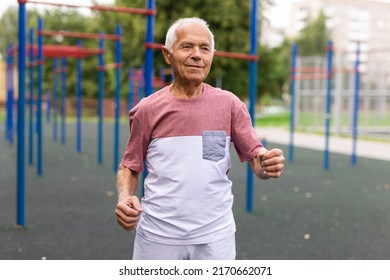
221, 250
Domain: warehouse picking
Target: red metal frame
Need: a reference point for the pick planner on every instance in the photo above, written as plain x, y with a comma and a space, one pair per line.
65, 51
127, 10
216, 53
82, 35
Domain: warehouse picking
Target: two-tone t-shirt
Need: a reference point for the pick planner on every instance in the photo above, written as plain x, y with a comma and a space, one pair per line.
185, 146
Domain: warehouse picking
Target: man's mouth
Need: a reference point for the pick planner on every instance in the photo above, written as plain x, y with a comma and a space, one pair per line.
195, 66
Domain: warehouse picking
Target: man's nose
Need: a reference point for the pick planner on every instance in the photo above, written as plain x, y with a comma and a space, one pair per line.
196, 53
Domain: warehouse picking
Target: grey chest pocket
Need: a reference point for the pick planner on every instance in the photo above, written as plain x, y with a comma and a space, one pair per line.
214, 143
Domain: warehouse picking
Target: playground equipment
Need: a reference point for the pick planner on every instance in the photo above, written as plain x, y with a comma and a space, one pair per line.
9, 118
149, 12
117, 37
252, 58
148, 82
338, 94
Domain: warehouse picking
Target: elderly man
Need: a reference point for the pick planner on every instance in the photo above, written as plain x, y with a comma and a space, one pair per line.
183, 134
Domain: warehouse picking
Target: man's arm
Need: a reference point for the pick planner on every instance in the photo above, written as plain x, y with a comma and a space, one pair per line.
268, 163
128, 208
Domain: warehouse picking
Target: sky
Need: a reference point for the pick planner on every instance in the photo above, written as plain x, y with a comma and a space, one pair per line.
279, 14
4, 4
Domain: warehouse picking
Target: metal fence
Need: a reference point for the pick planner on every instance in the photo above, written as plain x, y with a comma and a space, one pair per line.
373, 89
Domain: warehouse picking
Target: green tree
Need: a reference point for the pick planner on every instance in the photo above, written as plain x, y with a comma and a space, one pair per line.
229, 23
9, 26
274, 70
133, 28
314, 37
8, 32
73, 21
54, 19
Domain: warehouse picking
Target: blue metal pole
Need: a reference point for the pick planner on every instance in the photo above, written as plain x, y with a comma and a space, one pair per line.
130, 103
39, 100
55, 98
9, 90
63, 100
12, 97
149, 52
8, 118
20, 169
31, 104
328, 104
48, 106
356, 106
141, 84
118, 60
78, 109
252, 94
294, 55
100, 99
6, 92
148, 72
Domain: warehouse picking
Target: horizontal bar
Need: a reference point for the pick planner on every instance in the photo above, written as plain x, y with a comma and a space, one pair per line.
216, 53
34, 63
167, 71
155, 46
319, 70
80, 35
59, 70
65, 51
110, 66
98, 8
127, 10
318, 76
243, 56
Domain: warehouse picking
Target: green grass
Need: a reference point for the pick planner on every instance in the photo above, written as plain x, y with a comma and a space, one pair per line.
308, 119
72, 119
279, 120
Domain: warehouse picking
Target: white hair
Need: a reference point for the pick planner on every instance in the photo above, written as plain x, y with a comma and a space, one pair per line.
170, 38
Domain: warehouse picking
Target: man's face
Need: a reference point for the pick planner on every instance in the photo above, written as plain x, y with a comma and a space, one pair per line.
191, 56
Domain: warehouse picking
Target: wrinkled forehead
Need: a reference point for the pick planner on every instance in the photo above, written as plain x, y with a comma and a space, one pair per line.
193, 31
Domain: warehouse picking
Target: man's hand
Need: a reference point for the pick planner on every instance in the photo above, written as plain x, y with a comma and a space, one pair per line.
268, 163
127, 212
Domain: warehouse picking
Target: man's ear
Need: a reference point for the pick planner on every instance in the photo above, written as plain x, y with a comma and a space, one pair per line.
166, 54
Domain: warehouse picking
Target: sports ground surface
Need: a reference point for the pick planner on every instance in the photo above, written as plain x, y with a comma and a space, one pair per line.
308, 214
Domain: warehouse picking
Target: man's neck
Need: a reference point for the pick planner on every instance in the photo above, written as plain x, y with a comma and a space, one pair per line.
188, 92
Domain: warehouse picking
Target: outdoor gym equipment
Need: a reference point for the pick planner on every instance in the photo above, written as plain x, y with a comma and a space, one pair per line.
149, 13
300, 73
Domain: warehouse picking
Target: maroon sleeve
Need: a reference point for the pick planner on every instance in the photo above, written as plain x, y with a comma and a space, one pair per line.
243, 133
136, 147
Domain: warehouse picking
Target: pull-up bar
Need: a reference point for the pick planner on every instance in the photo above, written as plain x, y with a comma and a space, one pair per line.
80, 35
117, 37
53, 51
235, 55
102, 67
128, 10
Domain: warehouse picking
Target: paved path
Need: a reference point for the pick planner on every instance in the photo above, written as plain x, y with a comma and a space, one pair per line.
341, 145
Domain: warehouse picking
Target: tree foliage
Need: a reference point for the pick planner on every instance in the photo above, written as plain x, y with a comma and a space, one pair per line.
274, 70
230, 24
314, 37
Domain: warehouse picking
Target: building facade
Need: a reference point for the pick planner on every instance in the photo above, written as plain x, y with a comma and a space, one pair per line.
353, 25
